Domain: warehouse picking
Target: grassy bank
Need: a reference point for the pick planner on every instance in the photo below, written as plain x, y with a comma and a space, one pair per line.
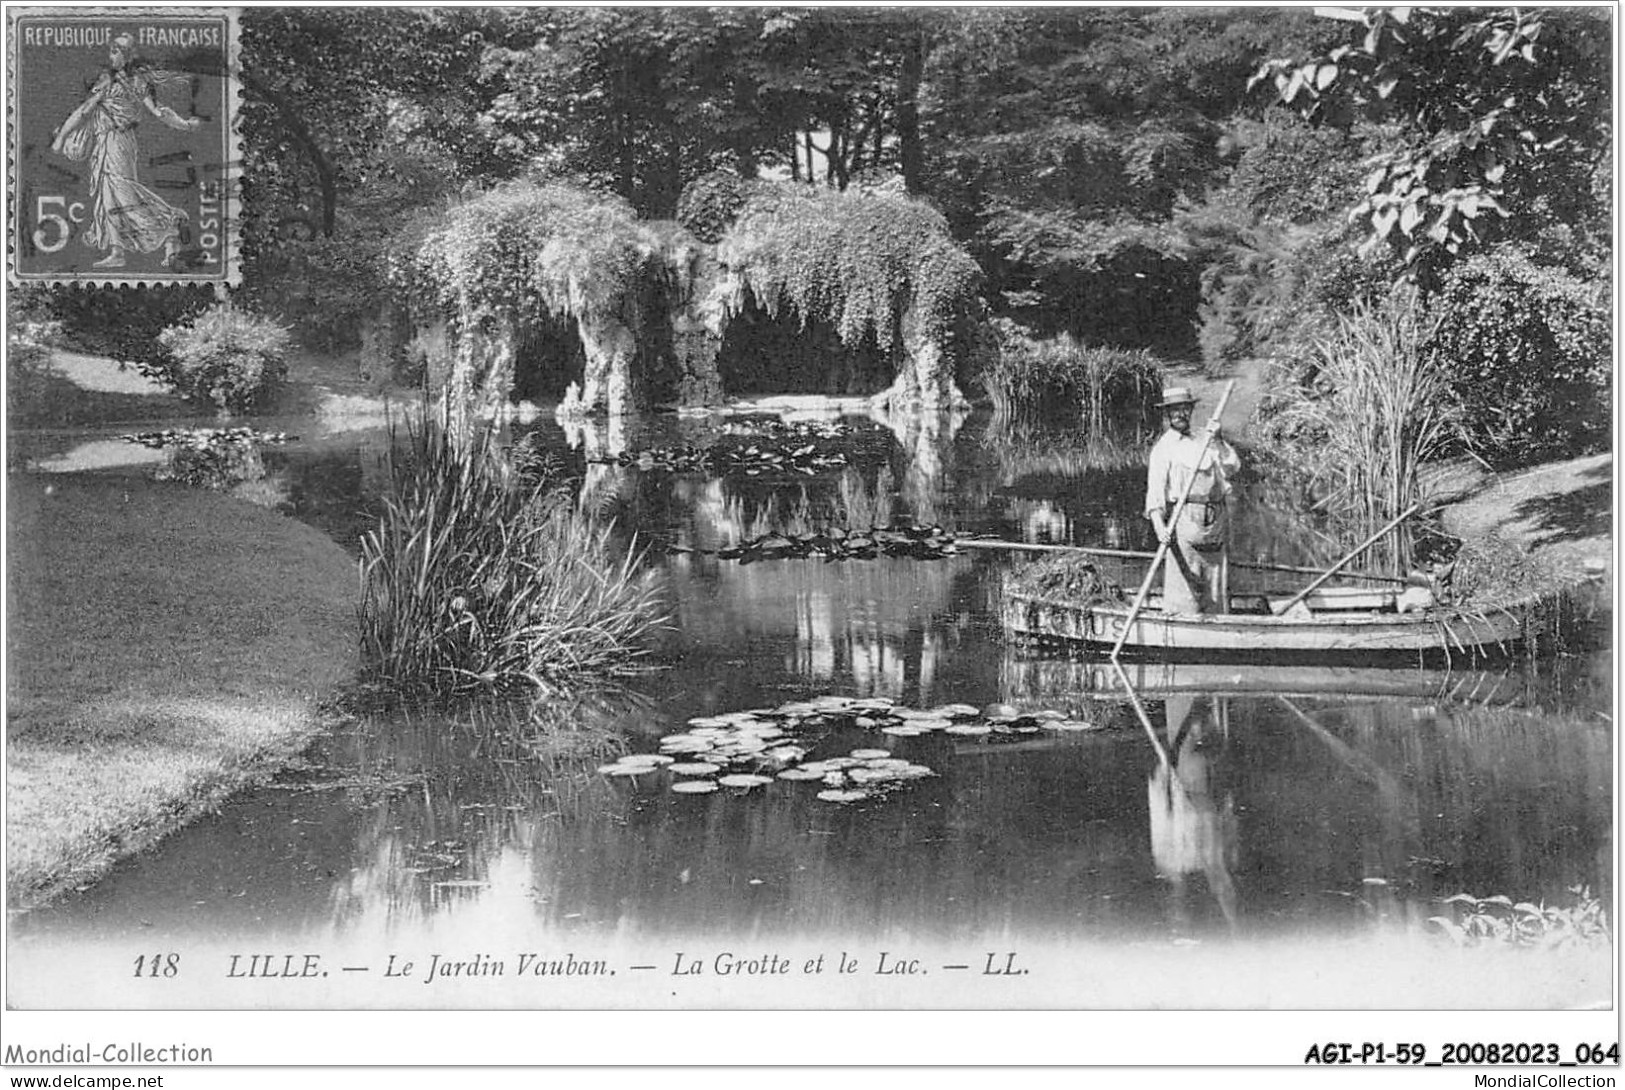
165, 647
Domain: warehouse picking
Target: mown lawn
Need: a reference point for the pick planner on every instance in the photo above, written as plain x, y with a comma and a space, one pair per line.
165, 646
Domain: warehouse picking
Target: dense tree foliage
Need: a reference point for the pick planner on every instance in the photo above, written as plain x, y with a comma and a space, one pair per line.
1064, 141
1497, 122
1174, 178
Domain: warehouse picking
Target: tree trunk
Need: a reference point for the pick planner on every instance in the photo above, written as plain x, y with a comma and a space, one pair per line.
910, 149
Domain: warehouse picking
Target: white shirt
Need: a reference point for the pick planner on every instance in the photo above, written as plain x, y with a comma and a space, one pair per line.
1173, 463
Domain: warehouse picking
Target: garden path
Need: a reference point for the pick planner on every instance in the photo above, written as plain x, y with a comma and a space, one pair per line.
1561, 513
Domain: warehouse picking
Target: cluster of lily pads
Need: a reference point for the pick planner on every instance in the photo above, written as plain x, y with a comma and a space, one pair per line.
750, 459
792, 431
765, 446
754, 748
205, 438
913, 542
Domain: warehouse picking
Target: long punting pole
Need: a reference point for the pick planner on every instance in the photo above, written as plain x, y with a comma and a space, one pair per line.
1139, 710
1136, 554
1173, 522
1363, 546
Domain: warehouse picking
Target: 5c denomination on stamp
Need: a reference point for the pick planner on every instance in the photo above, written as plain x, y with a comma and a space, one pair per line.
124, 150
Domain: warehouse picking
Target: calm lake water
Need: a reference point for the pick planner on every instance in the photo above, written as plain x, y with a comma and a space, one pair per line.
1280, 838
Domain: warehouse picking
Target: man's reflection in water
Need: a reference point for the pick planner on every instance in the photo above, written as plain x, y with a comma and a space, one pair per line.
1193, 822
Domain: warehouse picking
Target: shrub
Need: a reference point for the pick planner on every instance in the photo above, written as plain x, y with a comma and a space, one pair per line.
216, 461
30, 378
119, 323
1497, 921
710, 203
209, 457
224, 357
479, 578
1057, 380
1290, 170
1531, 354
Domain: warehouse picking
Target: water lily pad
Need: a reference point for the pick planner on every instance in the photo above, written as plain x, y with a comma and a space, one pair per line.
694, 787
843, 796
685, 743
970, 728
957, 711
786, 753
646, 759
900, 731
694, 768
1047, 713
626, 770
937, 723
871, 775
801, 774
744, 780
710, 721
887, 762
999, 711
1071, 725
869, 754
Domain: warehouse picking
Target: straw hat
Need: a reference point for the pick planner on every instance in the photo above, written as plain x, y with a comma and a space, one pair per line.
1176, 395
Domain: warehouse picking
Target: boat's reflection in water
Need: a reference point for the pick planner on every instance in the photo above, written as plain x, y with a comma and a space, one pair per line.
1283, 798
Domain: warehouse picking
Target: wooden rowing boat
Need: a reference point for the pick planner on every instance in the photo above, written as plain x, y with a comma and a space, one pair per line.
1344, 621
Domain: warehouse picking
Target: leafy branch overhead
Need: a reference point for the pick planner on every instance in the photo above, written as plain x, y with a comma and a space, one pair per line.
1492, 114
1487, 109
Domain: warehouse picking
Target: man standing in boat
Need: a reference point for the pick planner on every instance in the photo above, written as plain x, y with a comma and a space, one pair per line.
1196, 578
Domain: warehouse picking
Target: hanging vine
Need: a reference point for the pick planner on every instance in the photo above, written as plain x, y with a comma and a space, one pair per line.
861, 261
577, 253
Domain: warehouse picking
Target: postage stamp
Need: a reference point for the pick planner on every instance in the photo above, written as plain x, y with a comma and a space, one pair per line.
124, 152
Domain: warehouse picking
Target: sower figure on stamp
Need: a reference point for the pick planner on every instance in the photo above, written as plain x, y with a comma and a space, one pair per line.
1196, 578
124, 214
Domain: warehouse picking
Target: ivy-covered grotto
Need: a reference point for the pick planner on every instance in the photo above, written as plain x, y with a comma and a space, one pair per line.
549, 289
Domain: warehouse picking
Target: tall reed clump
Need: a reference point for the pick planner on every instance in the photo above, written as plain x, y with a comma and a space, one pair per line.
1375, 408
1060, 381
479, 578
